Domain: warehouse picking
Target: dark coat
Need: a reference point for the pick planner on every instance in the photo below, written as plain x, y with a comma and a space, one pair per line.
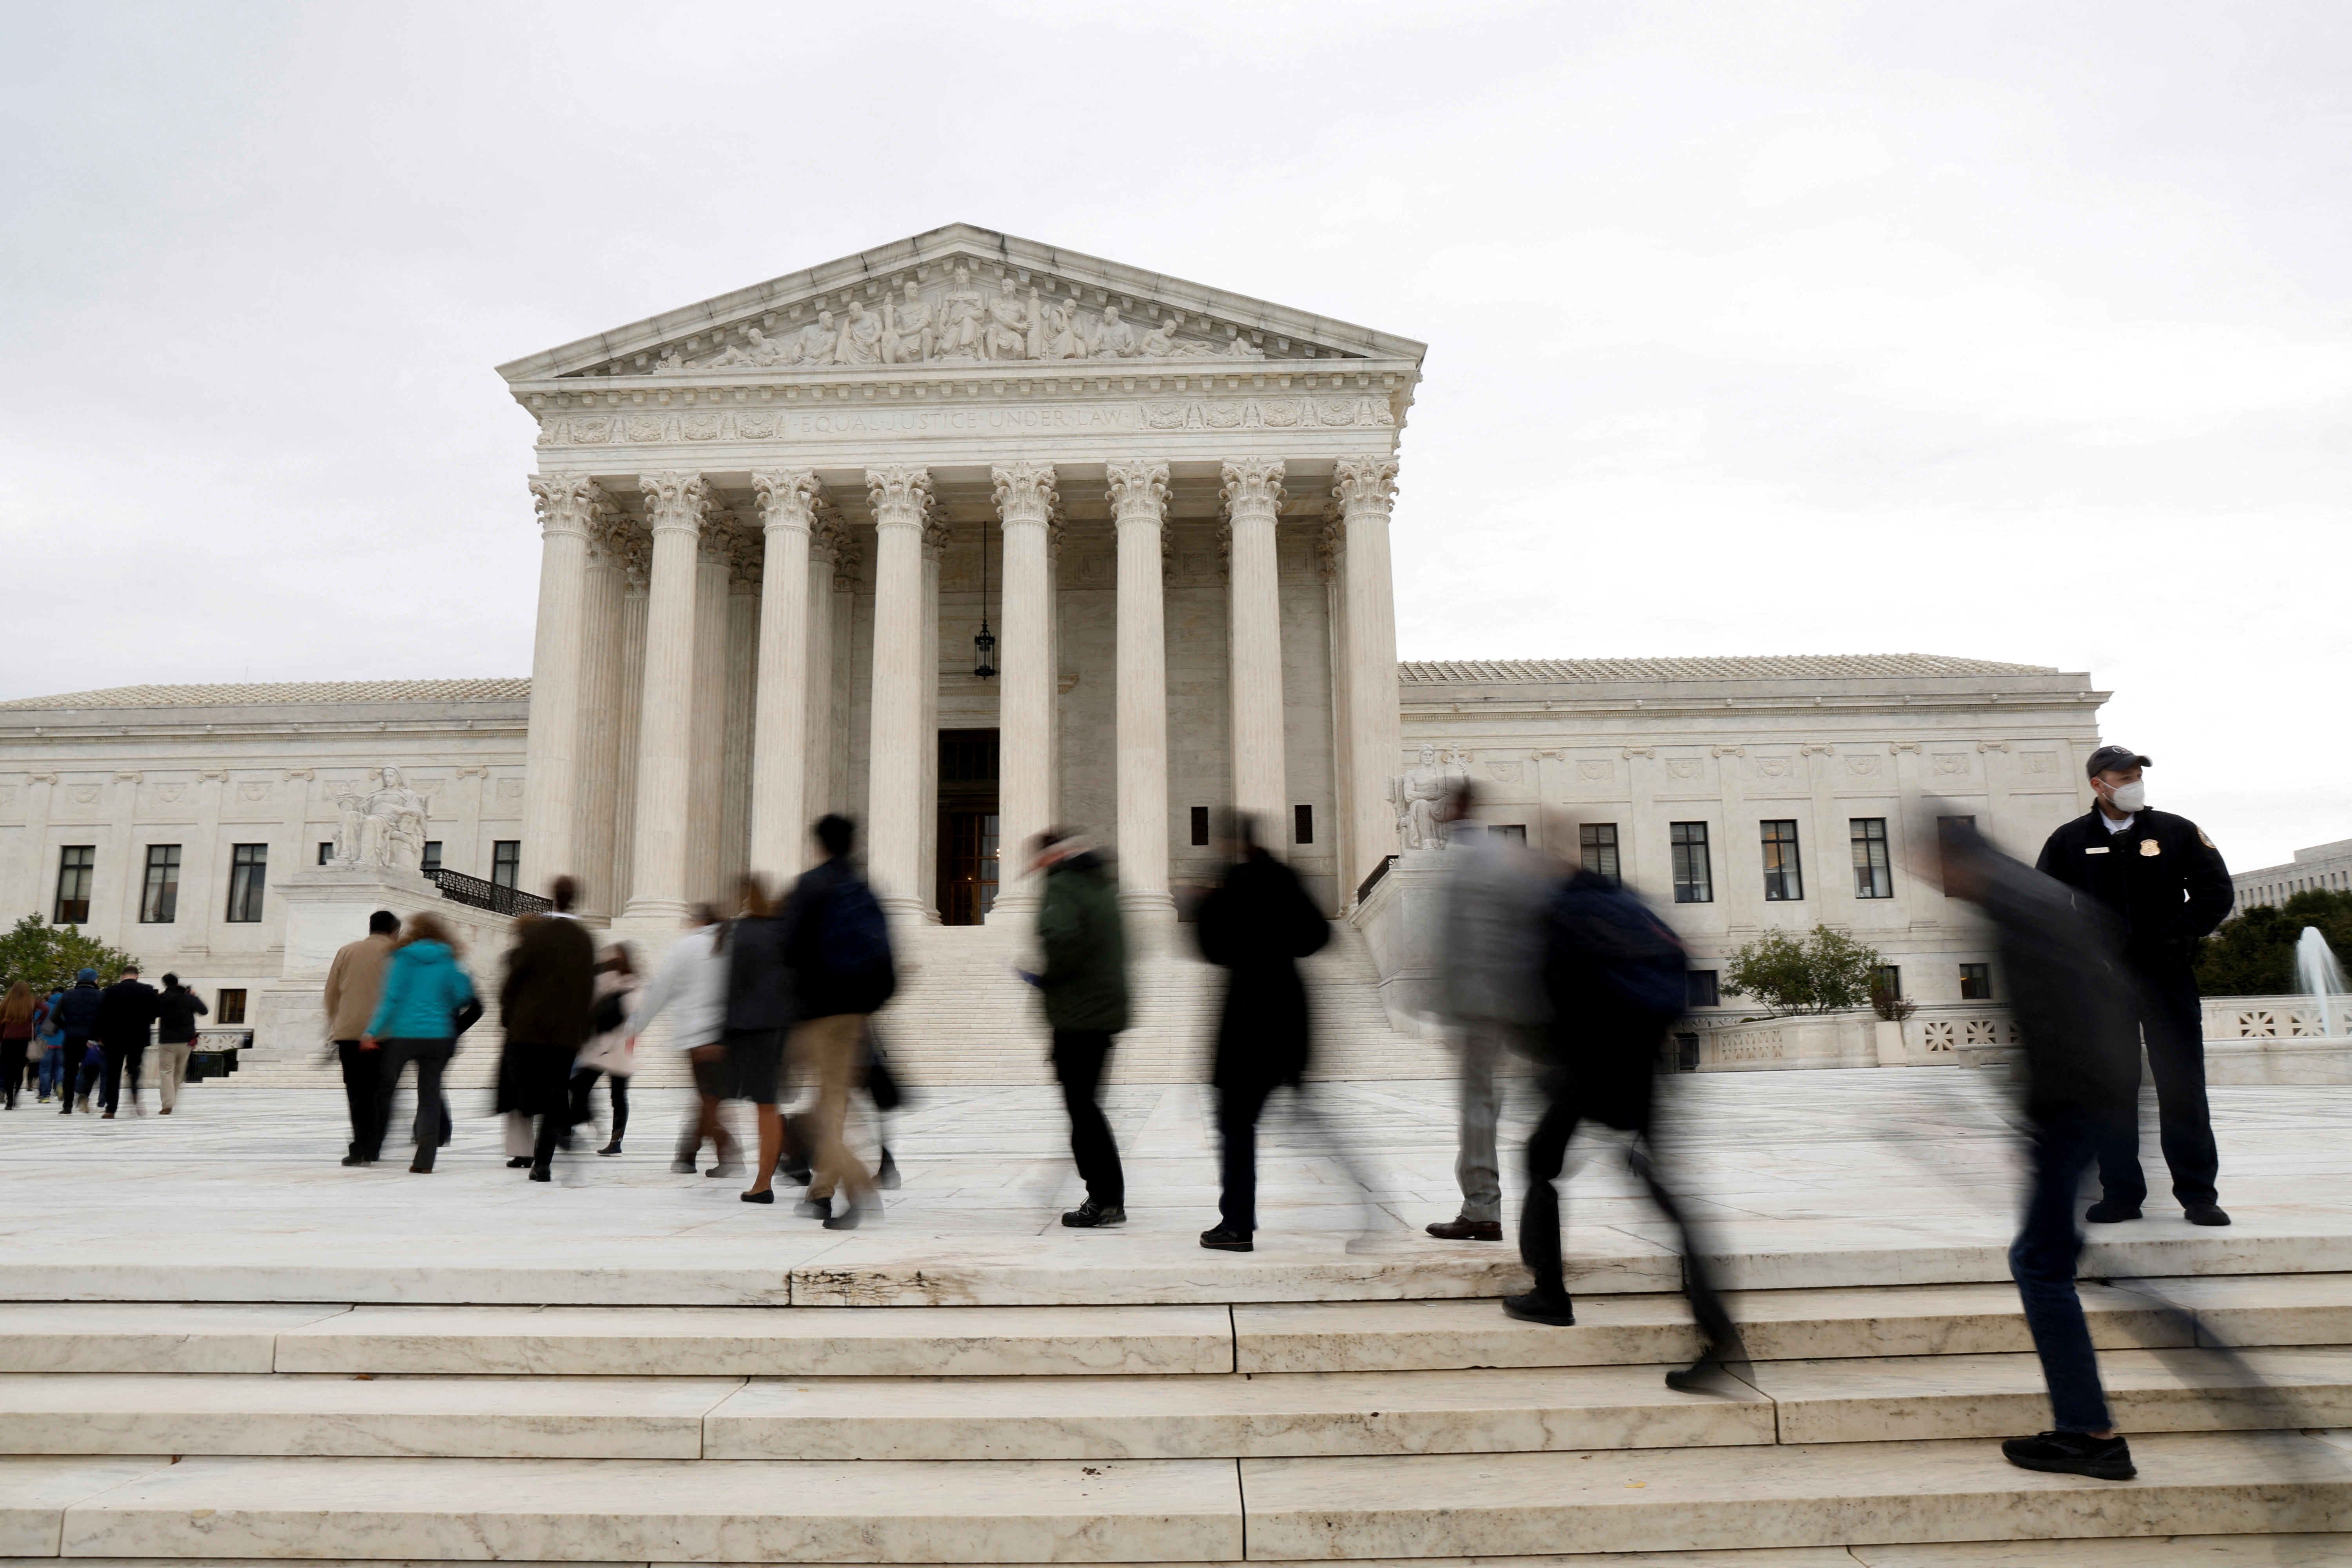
76, 1013
1084, 939
759, 998
1602, 1040
824, 989
1257, 926
125, 1010
176, 1012
550, 983
2166, 898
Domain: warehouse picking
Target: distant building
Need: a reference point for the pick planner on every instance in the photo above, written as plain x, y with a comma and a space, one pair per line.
2327, 866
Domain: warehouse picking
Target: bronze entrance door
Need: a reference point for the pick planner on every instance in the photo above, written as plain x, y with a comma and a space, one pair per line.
968, 848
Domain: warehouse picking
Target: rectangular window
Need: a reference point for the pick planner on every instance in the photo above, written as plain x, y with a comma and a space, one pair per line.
326, 852
430, 861
1886, 980
77, 865
1200, 826
505, 862
1597, 844
1874, 874
249, 872
1976, 982
159, 903
229, 1006
1693, 873
1302, 824
1508, 832
1704, 987
1784, 878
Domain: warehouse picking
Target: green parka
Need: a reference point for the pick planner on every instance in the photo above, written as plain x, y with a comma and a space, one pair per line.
1084, 939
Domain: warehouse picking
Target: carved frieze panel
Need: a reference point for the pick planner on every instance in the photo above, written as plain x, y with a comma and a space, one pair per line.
907, 417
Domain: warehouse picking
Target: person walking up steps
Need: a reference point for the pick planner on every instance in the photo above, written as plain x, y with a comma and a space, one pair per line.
49, 1042
1083, 940
176, 1011
76, 1012
550, 983
691, 984
428, 1002
354, 984
838, 946
609, 1054
126, 1011
16, 1040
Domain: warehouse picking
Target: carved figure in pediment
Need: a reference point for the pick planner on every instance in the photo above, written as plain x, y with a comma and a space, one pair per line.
671, 362
906, 328
813, 343
964, 316
1419, 795
1006, 335
1112, 339
1041, 330
755, 350
1064, 329
383, 826
860, 342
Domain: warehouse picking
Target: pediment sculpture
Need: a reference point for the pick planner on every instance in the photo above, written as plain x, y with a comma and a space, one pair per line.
379, 822
963, 323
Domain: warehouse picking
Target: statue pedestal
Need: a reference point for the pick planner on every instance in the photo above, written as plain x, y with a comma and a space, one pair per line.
1403, 922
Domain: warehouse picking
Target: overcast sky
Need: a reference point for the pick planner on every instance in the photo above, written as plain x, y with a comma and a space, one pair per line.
2010, 332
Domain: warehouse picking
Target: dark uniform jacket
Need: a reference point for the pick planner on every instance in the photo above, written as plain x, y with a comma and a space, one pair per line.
2162, 879
1084, 939
551, 983
1257, 926
125, 1010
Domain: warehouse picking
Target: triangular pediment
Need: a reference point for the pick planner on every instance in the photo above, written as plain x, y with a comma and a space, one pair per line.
956, 301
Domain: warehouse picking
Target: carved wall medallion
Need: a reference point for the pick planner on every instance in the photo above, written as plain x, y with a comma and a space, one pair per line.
1594, 769
2041, 762
1951, 762
755, 426
1776, 767
85, 794
7, 793
1506, 772
170, 793
591, 432
511, 789
645, 426
698, 426
253, 792
1683, 767
1862, 764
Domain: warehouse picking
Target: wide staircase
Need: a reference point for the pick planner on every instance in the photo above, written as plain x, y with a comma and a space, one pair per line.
1238, 1413
963, 1014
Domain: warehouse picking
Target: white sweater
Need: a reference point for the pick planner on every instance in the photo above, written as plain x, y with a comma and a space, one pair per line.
693, 979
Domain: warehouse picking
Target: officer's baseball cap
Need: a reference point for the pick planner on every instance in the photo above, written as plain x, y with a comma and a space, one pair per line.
2119, 758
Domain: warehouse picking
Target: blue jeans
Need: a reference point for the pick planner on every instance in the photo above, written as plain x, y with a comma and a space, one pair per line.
51, 1060
2041, 1260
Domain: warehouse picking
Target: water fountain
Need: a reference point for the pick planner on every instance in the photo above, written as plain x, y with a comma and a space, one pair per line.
2316, 973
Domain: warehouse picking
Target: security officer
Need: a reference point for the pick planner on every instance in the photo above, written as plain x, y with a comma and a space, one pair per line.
2166, 880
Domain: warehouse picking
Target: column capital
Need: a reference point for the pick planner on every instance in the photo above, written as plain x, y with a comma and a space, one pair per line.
1254, 487
1364, 486
826, 536
675, 500
569, 504
1026, 493
747, 561
1138, 491
788, 498
936, 535
901, 496
715, 540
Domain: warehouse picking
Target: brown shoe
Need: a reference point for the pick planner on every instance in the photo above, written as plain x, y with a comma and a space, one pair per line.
1467, 1230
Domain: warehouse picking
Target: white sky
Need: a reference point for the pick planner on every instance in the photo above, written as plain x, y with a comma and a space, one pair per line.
2008, 331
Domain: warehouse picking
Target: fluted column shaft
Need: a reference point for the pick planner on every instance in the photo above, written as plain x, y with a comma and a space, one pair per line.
706, 746
744, 614
674, 505
567, 508
623, 866
901, 498
1024, 779
1252, 496
780, 813
824, 560
1365, 489
927, 808
599, 726
1138, 500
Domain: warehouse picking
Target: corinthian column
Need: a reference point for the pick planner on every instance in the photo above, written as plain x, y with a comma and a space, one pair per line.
1024, 790
1253, 495
636, 554
600, 722
675, 504
1138, 500
780, 813
1365, 489
827, 549
568, 509
927, 809
893, 830
706, 775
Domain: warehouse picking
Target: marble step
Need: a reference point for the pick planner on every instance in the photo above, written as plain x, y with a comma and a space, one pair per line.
1218, 1418
456, 1417
2180, 1390
1837, 1494
627, 1511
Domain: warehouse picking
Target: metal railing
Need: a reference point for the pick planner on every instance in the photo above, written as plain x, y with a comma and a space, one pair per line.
1364, 889
474, 893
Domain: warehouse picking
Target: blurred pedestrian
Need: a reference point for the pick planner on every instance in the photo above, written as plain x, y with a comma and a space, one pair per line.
692, 984
1615, 978
16, 1040
2165, 882
1491, 993
609, 1054
426, 1001
838, 946
176, 1011
543, 1005
76, 1012
126, 1013
758, 1016
1255, 926
1083, 939
49, 1042
354, 983
2079, 1002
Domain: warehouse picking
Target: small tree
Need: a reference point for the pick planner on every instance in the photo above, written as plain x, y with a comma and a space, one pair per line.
1823, 972
45, 957
2253, 953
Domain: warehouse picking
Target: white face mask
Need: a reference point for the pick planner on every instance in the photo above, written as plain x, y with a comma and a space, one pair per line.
2128, 798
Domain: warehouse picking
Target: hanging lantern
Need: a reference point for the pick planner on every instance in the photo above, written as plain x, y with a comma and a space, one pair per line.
983, 647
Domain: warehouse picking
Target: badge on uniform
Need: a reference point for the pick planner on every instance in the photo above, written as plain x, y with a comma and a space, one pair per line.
2151, 847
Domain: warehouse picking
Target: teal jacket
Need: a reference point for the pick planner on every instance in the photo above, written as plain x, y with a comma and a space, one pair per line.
424, 986
1084, 939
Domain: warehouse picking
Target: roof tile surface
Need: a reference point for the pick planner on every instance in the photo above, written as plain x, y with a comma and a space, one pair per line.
1767, 667
506, 688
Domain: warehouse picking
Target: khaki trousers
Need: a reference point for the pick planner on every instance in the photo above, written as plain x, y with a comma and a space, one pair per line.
827, 1051
170, 1060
